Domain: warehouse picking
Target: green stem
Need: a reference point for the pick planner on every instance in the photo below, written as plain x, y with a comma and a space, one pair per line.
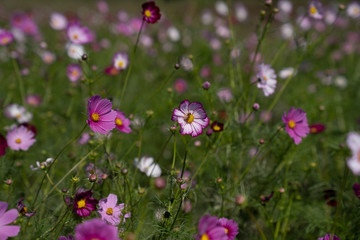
20, 80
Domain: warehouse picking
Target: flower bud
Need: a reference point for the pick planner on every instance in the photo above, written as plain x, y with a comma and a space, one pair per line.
256, 106
177, 66
124, 171
160, 183
206, 85
8, 181
240, 200
92, 178
84, 57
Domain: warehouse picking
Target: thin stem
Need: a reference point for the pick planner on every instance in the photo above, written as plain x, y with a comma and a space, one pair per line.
20, 80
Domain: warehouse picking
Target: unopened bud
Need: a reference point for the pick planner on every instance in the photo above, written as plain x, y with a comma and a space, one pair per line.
104, 176
141, 191
92, 178
275, 10
206, 85
240, 200
341, 7
268, 3
180, 180
160, 183
177, 66
84, 57
219, 180
256, 106
8, 181
261, 141
124, 171
64, 190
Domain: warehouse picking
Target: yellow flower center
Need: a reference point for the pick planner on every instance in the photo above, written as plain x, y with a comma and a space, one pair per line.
226, 230
313, 10
18, 140
75, 36
81, 203
118, 122
18, 115
291, 124
23, 210
205, 237
74, 73
216, 128
109, 211
95, 239
265, 78
95, 117
5, 40
120, 64
313, 130
189, 118
147, 13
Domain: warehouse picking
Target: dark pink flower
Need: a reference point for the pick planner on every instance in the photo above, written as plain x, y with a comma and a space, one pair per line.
210, 229
74, 72
33, 100
356, 189
317, 128
79, 34
83, 203
231, 228
328, 236
3, 145
95, 229
23, 210
296, 124
111, 71
7, 218
101, 116
180, 85
191, 117
122, 123
6, 37
25, 23
150, 12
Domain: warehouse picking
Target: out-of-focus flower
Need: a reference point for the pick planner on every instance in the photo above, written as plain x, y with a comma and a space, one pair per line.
231, 228
266, 79
120, 60
173, 33
285, 6
353, 142
353, 10
23, 210
79, 34
304, 23
330, 197
7, 217
329, 236
70, 237
111, 71
150, 12
356, 189
221, 8
287, 31
147, 166
95, 229
101, 117
74, 72
20, 138
191, 117
180, 85
42, 165
209, 228
110, 211
3, 145
84, 203
6, 37
225, 95
33, 100
217, 126
207, 17
265, 199
317, 128
340, 81
122, 123
316, 9
58, 21
48, 57
14, 111
75, 51
25, 23
241, 12
186, 64
286, 72
102, 6
296, 124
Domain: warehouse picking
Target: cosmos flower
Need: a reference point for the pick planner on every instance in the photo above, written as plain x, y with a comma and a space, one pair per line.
316, 9
24, 23
15, 111
7, 218
217, 126
58, 21
101, 117
83, 203
110, 211
328, 236
70, 237
20, 138
84, 139
353, 10
48, 57
180, 85
150, 12
3, 145
148, 166
231, 228
33, 100
287, 72
23, 210
191, 117
266, 79
79, 34
296, 124
74, 72
111, 71
95, 229
75, 51
42, 165
122, 123
225, 94
317, 128
6, 37
356, 189
209, 228
120, 60
353, 142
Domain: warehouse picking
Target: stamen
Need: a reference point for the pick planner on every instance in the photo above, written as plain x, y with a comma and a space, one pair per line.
81, 203
147, 13
118, 122
189, 118
95, 117
18, 140
291, 124
109, 211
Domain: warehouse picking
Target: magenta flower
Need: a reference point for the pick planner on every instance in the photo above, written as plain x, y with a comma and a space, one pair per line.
100, 113
210, 229
231, 228
83, 203
33, 100
96, 229
74, 72
3, 145
6, 218
296, 124
180, 85
20, 138
25, 23
122, 123
23, 210
110, 211
191, 117
150, 12
317, 128
356, 189
79, 35
329, 237
6, 37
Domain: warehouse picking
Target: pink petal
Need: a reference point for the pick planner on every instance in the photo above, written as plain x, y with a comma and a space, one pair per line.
112, 200
8, 217
9, 231
186, 129
3, 207
184, 106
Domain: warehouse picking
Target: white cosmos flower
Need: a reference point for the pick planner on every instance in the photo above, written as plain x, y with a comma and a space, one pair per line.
19, 113
147, 166
286, 72
353, 10
173, 33
353, 142
41, 165
58, 21
221, 8
75, 51
266, 79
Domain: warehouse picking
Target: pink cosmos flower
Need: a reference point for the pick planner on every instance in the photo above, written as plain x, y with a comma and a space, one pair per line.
296, 124
6, 37
210, 229
74, 72
150, 12
110, 211
122, 123
6, 218
20, 138
329, 236
191, 117
79, 35
33, 100
120, 60
101, 116
58, 21
25, 23
180, 85
266, 79
96, 229
316, 9
231, 228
